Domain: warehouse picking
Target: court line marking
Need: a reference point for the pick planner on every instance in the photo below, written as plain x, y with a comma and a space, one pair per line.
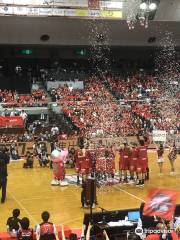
22, 207
35, 198
130, 194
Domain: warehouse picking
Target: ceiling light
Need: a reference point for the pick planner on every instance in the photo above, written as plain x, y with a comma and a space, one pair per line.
152, 6
139, 13
143, 6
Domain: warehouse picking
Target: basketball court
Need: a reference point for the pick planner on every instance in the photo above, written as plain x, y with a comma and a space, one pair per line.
31, 192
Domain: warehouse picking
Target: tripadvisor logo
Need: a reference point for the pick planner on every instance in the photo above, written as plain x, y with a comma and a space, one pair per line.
139, 231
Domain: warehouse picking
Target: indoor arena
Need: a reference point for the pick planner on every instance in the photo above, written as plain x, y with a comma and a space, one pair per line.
89, 119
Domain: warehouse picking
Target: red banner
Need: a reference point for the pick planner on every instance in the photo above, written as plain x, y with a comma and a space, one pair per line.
93, 4
161, 203
11, 121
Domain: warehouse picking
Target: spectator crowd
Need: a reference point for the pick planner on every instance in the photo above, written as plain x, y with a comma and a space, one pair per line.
20, 228
9, 98
119, 107
112, 107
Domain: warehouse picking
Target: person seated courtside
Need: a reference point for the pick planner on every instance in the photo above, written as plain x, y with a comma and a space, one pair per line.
14, 223
25, 233
43, 158
46, 230
29, 160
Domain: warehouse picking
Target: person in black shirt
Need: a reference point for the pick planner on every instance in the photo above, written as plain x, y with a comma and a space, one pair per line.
133, 236
29, 160
14, 223
4, 160
94, 232
73, 236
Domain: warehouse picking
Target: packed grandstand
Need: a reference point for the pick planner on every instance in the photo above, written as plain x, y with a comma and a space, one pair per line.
89, 120
113, 106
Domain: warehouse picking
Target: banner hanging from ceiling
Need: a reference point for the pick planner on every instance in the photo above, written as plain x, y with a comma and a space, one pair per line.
93, 4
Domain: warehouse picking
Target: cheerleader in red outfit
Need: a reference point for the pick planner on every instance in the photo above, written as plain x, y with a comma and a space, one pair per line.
172, 157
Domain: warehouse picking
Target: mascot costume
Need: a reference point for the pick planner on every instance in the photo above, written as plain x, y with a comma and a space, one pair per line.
58, 158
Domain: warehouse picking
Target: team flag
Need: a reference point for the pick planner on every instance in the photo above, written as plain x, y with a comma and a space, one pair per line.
161, 203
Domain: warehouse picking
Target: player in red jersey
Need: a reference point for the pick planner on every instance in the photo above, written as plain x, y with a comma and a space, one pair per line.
79, 158
86, 162
83, 162
142, 162
147, 142
109, 156
92, 154
124, 162
133, 161
46, 230
100, 166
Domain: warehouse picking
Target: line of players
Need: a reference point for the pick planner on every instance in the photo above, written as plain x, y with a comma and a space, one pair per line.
100, 162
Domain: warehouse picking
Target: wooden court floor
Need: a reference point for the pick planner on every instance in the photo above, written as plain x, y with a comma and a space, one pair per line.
30, 190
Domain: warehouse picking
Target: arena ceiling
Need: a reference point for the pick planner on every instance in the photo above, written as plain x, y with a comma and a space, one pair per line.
72, 31
168, 10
